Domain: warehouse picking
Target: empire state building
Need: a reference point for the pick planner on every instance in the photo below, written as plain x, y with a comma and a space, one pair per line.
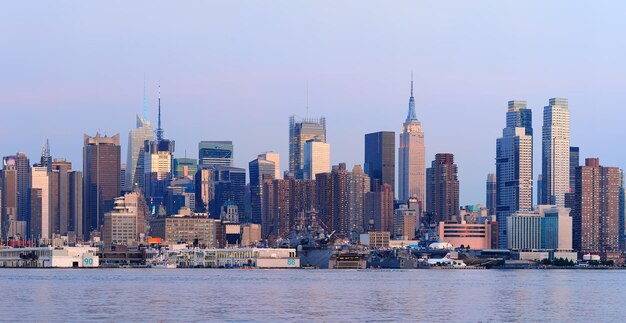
412, 157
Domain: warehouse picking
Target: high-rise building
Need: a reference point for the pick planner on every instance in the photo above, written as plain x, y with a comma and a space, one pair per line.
22, 164
12, 227
40, 216
76, 219
379, 209
205, 189
539, 189
574, 161
316, 158
158, 162
412, 157
301, 131
404, 223
358, 187
230, 184
380, 158
555, 152
275, 158
491, 193
101, 185
285, 201
332, 190
66, 202
622, 212
443, 189
184, 167
123, 176
514, 167
212, 153
596, 209
127, 222
136, 153
260, 170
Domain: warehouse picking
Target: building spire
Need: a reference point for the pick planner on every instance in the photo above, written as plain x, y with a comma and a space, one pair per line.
411, 116
46, 158
145, 106
159, 131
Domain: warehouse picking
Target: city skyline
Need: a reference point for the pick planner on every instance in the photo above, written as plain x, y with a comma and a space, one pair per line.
467, 91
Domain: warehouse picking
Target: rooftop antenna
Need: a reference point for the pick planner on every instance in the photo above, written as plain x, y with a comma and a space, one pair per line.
159, 130
411, 115
411, 83
307, 98
145, 105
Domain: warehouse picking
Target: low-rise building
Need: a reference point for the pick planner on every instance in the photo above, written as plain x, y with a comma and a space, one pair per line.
376, 239
49, 257
197, 229
404, 223
471, 236
547, 228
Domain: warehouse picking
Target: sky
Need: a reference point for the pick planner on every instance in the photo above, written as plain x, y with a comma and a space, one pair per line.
236, 70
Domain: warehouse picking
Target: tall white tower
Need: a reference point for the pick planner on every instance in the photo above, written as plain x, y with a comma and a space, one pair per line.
555, 152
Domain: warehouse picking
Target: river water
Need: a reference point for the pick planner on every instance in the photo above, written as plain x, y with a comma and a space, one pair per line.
179, 295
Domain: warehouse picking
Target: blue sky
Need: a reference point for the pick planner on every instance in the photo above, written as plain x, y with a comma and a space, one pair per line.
236, 70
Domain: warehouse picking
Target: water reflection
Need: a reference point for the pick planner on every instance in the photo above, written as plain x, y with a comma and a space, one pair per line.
312, 295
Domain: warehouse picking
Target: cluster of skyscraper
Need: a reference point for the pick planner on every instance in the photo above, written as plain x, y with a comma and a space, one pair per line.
591, 192
51, 199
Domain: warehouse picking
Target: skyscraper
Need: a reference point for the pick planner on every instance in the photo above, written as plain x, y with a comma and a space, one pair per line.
285, 201
101, 169
158, 162
316, 158
11, 226
275, 158
358, 187
574, 161
596, 209
230, 184
185, 167
380, 158
514, 167
412, 157
40, 224
22, 164
379, 209
205, 189
260, 170
555, 152
491, 193
622, 212
136, 153
442, 188
299, 133
211, 153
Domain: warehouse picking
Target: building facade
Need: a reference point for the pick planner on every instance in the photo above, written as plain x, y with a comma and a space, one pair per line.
443, 188
212, 153
101, 169
136, 153
301, 131
514, 167
596, 209
316, 158
260, 170
380, 158
491, 190
412, 157
127, 223
555, 159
